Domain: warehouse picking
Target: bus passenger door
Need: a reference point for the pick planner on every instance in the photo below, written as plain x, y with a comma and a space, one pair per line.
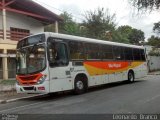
60, 75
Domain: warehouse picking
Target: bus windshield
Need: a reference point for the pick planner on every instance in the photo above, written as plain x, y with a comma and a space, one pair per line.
31, 59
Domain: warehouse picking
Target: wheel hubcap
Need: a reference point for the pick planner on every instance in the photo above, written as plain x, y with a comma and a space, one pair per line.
79, 85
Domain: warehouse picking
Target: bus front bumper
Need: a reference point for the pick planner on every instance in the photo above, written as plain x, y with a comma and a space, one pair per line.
41, 88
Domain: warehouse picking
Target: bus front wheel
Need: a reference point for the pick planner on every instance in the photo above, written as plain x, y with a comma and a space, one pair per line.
80, 85
131, 77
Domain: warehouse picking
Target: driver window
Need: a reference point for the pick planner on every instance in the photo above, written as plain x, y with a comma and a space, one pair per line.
58, 54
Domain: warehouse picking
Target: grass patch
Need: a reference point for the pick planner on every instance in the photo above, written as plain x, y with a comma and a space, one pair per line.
7, 82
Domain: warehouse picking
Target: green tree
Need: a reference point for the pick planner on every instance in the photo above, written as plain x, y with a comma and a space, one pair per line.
99, 24
136, 36
130, 35
154, 41
124, 31
156, 27
145, 4
68, 26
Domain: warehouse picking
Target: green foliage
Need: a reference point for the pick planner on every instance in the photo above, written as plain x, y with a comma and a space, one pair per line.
156, 27
146, 4
124, 33
130, 35
118, 37
136, 36
154, 41
125, 30
99, 24
154, 53
68, 26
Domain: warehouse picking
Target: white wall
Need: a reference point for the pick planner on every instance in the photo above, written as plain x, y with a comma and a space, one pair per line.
148, 48
154, 63
23, 22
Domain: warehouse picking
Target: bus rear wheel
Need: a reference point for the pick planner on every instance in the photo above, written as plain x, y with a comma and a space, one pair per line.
80, 85
131, 77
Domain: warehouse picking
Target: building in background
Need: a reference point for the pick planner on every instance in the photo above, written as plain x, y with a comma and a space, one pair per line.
20, 18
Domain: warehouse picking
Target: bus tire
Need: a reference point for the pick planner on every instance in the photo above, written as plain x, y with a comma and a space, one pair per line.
80, 85
130, 76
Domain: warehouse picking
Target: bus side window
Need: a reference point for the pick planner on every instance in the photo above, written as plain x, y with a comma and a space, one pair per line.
118, 53
76, 50
92, 51
142, 55
128, 53
136, 54
107, 52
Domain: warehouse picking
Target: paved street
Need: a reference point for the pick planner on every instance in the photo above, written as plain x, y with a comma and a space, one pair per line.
143, 96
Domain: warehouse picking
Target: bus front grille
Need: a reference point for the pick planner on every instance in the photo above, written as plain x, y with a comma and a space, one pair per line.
28, 88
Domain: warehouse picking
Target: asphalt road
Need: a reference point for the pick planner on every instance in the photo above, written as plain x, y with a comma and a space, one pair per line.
143, 96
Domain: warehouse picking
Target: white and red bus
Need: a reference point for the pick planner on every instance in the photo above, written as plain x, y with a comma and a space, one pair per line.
52, 62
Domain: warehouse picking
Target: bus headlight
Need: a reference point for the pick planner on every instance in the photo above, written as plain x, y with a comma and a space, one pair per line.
42, 79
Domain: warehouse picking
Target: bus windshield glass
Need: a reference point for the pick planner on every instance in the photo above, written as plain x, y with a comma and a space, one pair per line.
31, 59
32, 40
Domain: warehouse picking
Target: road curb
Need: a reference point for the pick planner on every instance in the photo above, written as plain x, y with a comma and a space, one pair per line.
16, 99
3, 101
154, 74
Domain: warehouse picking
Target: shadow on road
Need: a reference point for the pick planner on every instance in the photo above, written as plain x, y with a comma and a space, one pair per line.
111, 85
60, 95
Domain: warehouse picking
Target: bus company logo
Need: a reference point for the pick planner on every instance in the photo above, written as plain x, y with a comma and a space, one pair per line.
114, 65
